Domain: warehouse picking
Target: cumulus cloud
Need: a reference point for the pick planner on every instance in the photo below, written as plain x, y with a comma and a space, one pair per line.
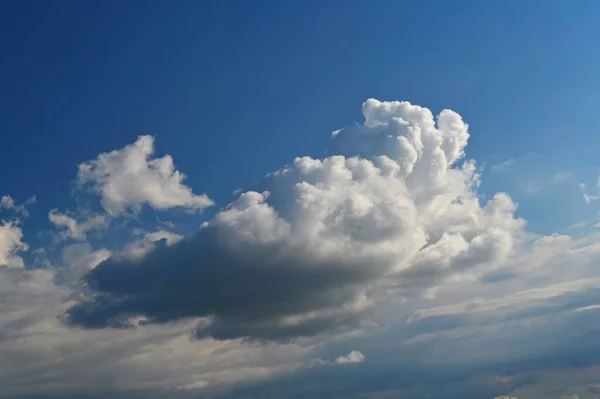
73, 229
390, 213
128, 178
11, 234
352, 357
391, 210
11, 244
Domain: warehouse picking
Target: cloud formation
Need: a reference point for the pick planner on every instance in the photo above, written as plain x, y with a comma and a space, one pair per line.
40, 357
11, 234
504, 165
320, 246
148, 241
128, 178
11, 244
8, 203
352, 357
588, 198
80, 258
72, 228
391, 211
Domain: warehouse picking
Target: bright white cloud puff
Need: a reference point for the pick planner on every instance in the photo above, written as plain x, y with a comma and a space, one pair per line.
128, 178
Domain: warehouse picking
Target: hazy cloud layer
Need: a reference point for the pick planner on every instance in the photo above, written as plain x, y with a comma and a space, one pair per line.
41, 356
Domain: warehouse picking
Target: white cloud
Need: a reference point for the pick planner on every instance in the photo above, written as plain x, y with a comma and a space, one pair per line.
511, 302
142, 246
589, 307
588, 198
579, 225
352, 357
11, 244
389, 209
74, 229
8, 203
503, 166
11, 234
561, 177
128, 178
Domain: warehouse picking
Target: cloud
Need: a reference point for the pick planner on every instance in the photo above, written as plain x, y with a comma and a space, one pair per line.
128, 178
387, 227
11, 244
503, 166
482, 339
8, 203
391, 211
352, 357
579, 225
141, 247
542, 320
588, 198
552, 298
76, 230
79, 259
41, 356
561, 177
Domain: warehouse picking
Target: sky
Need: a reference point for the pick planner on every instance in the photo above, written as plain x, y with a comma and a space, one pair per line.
342, 199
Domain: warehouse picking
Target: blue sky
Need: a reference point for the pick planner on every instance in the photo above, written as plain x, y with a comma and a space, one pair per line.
233, 91
250, 86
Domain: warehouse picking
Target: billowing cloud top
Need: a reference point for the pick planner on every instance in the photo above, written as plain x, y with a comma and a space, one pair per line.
390, 212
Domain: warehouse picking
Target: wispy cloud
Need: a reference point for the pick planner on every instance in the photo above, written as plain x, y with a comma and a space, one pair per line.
503, 166
535, 187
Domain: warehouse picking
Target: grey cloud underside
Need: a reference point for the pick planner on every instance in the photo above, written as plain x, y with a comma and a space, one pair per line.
244, 291
318, 243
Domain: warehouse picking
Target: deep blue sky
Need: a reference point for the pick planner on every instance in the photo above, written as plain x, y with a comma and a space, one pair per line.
236, 89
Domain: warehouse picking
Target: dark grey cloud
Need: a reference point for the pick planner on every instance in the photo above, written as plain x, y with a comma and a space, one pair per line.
245, 292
